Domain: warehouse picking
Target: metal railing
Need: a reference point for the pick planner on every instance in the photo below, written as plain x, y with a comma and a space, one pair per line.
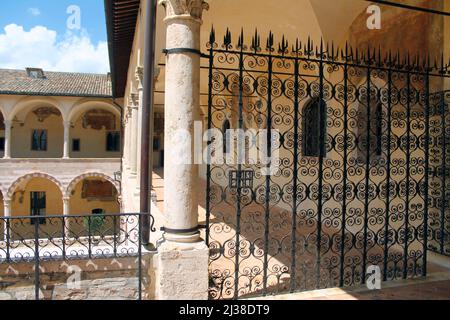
37, 239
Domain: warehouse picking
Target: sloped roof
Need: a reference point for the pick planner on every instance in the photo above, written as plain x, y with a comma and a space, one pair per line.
55, 84
121, 18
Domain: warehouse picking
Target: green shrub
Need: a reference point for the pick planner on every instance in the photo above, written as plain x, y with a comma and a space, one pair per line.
94, 224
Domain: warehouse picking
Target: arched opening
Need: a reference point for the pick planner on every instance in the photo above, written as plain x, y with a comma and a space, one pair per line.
314, 127
92, 198
36, 197
38, 133
95, 133
2, 135
372, 125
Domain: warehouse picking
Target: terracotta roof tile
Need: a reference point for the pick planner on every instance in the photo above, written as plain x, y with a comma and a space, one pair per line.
55, 84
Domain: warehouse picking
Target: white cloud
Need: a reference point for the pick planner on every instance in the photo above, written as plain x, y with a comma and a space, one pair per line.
42, 48
34, 11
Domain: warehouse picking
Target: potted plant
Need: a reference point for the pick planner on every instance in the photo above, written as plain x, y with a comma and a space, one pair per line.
94, 225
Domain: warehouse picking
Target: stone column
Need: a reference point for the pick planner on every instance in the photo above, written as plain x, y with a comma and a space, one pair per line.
134, 101
140, 88
66, 140
182, 104
7, 214
8, 125
182, 260
66, 213
125, 135
127, 150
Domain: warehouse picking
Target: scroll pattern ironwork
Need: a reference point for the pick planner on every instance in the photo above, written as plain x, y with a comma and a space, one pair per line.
321, 221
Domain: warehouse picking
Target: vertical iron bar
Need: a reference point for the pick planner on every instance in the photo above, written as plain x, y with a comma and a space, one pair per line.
269, 151
140, 258
367, 177
208, 165
115, 235
344, 191
427, 169
443, 173
294, 191
8, 239
408, 171
147, 116
388, 177
321, 106
89, 238
36, 257
64, 237
239, 173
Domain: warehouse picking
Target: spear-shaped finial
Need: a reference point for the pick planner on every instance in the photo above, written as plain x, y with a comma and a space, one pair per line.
270, 42
332, 51
227, 40
346, 51
212, 36
256, 42
283, 46
298, 47
321, 48
380, 61
240, 44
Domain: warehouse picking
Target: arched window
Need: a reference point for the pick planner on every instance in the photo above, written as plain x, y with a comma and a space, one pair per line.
113, 141
314, 120
375, 132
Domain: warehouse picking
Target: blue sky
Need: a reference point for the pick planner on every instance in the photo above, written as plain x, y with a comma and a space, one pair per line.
35, 33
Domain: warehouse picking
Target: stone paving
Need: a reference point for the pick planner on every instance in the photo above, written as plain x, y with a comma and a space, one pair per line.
435, 287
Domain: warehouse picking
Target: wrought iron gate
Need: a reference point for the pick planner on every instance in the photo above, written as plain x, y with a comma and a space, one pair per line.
356, 133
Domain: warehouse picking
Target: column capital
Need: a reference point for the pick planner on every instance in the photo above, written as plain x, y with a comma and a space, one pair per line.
8, 123
67, 123
184, 8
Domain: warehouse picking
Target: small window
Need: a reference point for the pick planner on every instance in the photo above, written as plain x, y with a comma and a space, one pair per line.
76, 146
98, 211
38, 204
314, 121
375, 133
35, 73
39, 140
113, 141
2, 144
156, 143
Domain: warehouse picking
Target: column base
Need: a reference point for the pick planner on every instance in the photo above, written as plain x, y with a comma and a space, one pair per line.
182, 238
182, 271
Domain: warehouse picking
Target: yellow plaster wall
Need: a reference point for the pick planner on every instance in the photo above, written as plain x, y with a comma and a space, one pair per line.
93, 142
21, 137
23, 229
80, 206
54, 197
